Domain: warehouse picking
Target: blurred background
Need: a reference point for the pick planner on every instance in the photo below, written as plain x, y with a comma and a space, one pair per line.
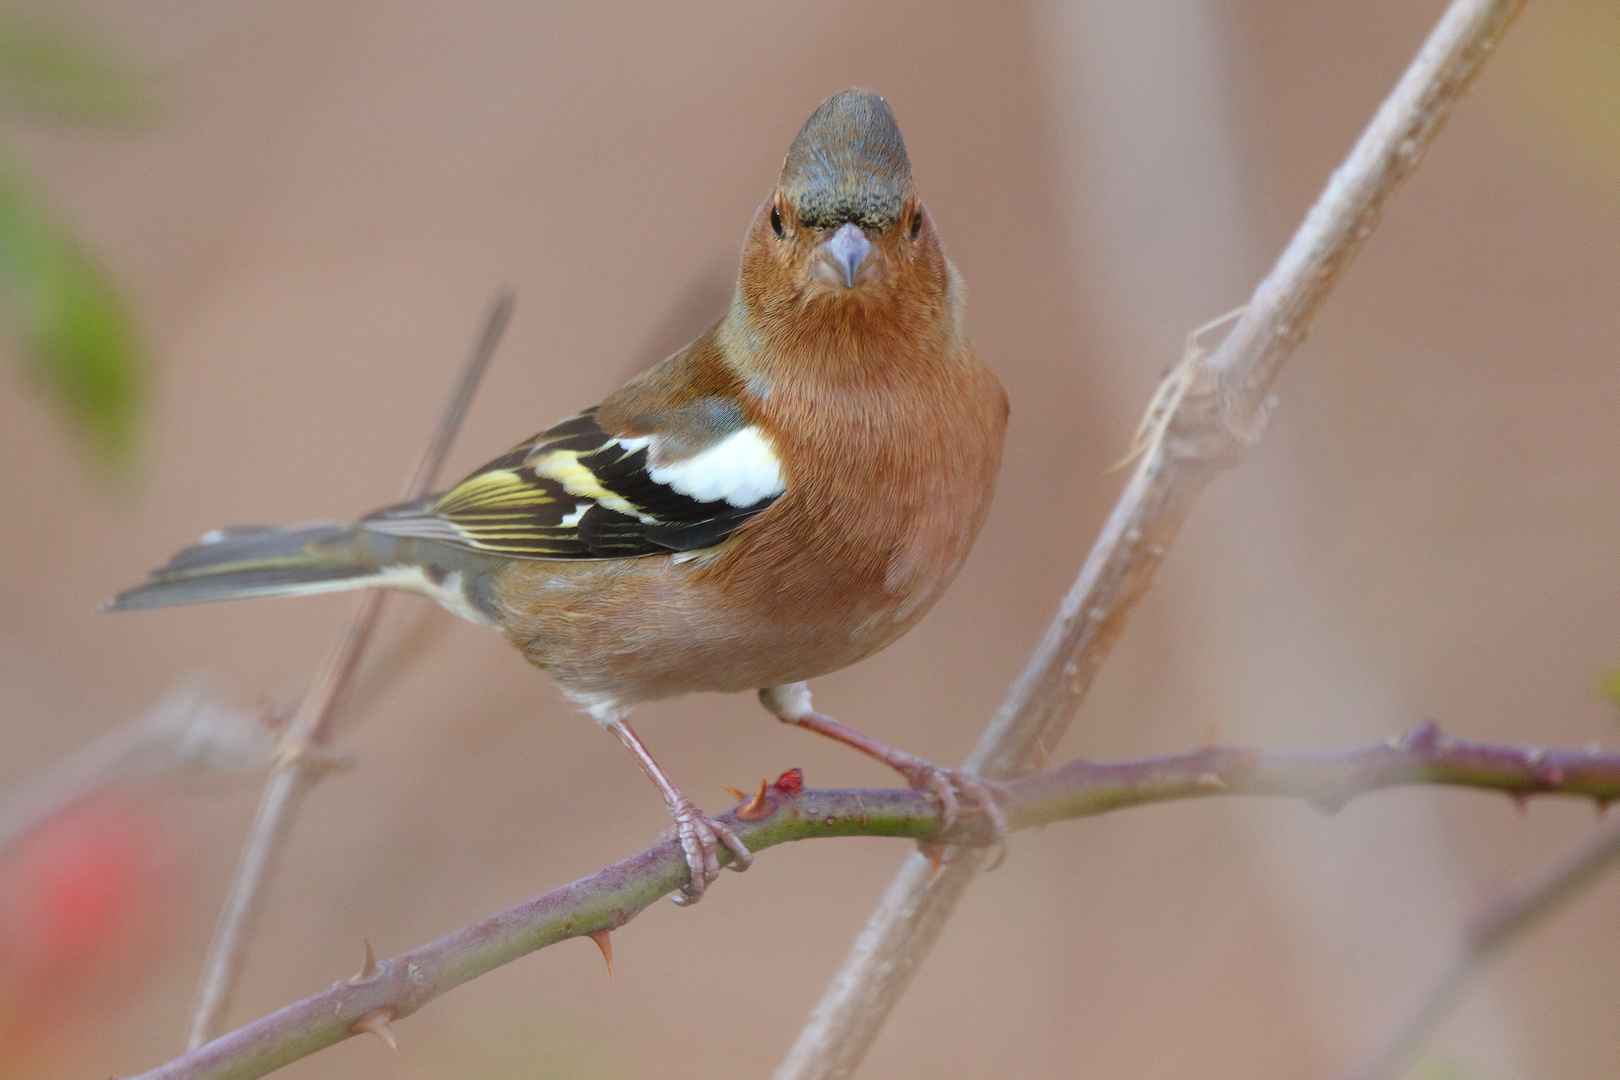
288, 218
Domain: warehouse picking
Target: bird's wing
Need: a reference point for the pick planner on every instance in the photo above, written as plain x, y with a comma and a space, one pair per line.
576, 492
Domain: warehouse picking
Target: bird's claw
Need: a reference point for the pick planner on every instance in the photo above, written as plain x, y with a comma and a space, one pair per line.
700, 839
950, 786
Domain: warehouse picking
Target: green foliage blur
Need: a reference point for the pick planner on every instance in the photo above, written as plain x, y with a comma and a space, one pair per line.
75, 336
1559, 77
1435, 1067
1608, 685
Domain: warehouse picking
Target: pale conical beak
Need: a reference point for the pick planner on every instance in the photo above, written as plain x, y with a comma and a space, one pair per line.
845, 250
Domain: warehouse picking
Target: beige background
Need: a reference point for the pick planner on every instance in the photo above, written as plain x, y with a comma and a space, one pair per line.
312, 228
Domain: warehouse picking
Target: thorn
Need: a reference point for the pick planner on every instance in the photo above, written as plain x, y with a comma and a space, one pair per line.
1602, 805
998, 855
1212, 736
606, 945
757, 807
318, 758
272, 716
368, 971
790, 782
331, 758
740, 796
1425, 738
376, 1023
1521, 802
935, 854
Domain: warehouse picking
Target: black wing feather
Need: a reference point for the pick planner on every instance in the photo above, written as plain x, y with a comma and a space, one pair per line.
519, 506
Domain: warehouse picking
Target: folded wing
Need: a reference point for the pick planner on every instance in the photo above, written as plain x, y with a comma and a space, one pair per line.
576, 492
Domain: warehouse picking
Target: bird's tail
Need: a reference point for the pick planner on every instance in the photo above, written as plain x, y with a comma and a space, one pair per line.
257, 561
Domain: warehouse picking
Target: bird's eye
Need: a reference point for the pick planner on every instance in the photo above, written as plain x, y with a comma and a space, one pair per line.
916, 223
776, 223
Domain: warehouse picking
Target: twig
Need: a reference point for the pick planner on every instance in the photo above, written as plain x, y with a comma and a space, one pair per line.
306, 753
455, 410
185, 735
609, 898
1221, 411
1502, 921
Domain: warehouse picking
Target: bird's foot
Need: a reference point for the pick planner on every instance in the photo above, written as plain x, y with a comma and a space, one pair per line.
790, 703
700, 838
953, 787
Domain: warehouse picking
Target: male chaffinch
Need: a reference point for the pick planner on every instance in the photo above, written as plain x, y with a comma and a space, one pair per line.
784, 496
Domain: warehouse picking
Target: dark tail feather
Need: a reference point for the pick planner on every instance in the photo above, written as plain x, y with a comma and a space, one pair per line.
254, 561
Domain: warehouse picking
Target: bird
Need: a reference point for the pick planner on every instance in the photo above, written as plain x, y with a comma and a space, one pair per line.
784, 496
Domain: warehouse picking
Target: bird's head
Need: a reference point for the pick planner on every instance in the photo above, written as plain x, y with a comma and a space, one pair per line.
844, 231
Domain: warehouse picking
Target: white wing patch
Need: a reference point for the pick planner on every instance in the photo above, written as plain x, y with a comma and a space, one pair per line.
739, 470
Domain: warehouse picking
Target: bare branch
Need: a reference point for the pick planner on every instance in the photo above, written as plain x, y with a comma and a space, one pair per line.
455, 410
605, 901
306, 753
1501, 922
187, 735
1220, 407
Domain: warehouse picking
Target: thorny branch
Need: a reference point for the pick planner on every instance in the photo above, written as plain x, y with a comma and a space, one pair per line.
1220, 408
306, 752
604, 901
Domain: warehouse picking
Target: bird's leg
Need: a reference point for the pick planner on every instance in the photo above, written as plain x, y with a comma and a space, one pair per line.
791, 705
700, 836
